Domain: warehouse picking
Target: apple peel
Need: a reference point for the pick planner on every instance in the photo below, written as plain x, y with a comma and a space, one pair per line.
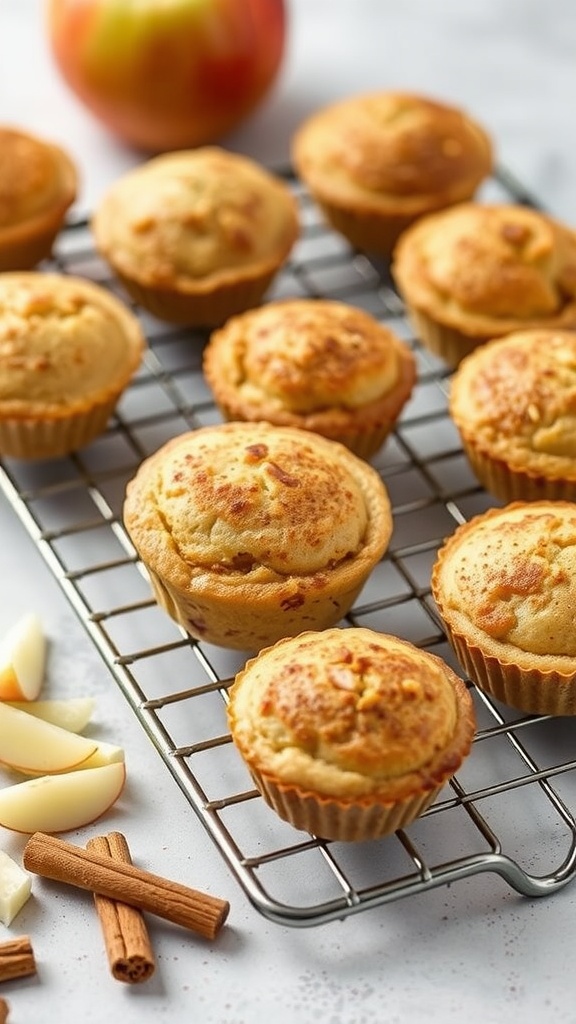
60, 803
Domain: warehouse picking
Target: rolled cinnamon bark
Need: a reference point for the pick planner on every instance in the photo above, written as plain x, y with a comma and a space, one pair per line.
126, 937
16, 958
54, 858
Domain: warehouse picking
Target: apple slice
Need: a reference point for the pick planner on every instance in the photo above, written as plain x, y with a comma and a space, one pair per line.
15, 888
71, 713
105, 753
32, 746
22, 659
59, 803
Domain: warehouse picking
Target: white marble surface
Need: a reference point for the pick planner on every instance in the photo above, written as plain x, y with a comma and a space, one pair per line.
472, 952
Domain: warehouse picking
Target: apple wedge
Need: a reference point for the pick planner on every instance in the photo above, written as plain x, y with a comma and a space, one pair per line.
22, 659
71, 713
59, 803
105, 753
32, 746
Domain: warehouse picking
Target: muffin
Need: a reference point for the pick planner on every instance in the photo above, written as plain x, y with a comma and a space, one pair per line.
505, 587
350, 734
196, 236
375, 163
477, 272
252, 532
68, 349
513, 401
314, 364
38, 183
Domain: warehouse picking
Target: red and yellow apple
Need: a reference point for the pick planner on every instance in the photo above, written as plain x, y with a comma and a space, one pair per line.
168, 75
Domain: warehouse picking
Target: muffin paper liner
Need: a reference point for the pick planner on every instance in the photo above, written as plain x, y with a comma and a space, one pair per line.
530, 690
510, 484
329, 818
446, 342
208, 308
51, 438
363, 443
377, 231
369, 232
249, 627
25, 252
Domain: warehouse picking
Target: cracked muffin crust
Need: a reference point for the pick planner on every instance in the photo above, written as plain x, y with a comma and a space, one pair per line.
505, 587
68, 349
513, 401
252, 532
349, 733
198, 235
477, 272
376, 162
312, 363
38, 184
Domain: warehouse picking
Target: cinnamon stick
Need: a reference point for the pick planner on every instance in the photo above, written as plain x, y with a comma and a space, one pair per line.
54, 858
126, 938
3, 1011
16, 958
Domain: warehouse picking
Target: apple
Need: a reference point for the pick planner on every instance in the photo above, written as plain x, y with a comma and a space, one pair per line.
167, 76
59, 803
22, 659
33, 746
71, 713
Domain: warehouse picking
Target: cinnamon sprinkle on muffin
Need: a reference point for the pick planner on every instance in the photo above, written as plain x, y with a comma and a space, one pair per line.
477, 272
251, 532
505, 587
513, 401
198, 235
316, 364
38, 184
376, 162
348, 733
68, 349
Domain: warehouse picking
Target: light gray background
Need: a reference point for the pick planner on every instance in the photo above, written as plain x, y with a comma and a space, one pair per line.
473, 952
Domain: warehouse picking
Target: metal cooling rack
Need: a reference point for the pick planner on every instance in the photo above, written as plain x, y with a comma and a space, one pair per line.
506, 812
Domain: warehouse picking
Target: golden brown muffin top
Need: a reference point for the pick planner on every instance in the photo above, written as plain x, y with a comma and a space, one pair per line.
63, 341
252, 499
351, 712
507, 579
305, 355
194, 216
393, 148
36, 178
515, 397
489, 268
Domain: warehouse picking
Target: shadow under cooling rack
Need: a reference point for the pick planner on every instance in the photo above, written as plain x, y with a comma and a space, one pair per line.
508, 810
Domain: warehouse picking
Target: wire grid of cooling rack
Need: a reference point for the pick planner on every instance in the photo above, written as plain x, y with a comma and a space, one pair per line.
506, 812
